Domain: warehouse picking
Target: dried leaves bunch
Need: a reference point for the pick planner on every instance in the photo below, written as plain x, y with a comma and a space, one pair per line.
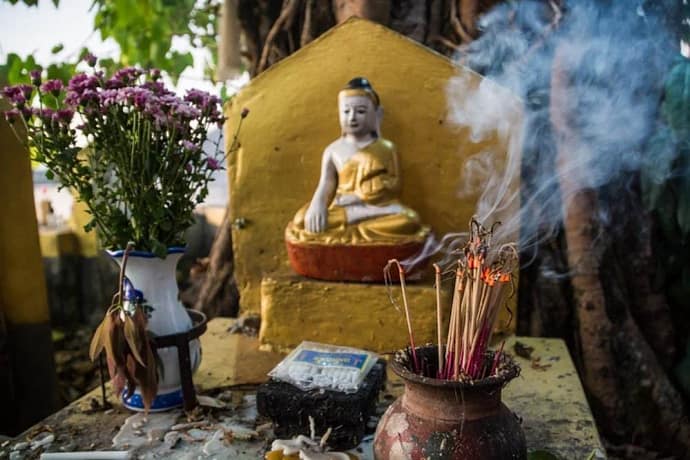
131, 356
483, 283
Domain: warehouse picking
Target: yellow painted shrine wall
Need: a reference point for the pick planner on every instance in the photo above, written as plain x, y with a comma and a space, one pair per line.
293, 116
23, 298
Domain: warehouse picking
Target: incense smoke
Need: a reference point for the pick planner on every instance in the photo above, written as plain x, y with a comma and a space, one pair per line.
615, 55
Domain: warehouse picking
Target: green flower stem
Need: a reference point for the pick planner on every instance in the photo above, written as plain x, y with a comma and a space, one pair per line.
134, 179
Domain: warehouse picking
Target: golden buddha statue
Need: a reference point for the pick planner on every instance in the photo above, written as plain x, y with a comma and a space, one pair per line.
356, 201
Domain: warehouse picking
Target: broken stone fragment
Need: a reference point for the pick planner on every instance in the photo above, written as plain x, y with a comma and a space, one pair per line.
198, 435
189, 425
139, 429
239, 432
171, 439
44, 440
20, 446
207, 401
215, 445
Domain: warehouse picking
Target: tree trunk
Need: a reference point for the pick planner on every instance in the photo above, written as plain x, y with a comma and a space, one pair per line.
218, 294
628, 387
468, 15
229, 53
373, 10
274, 29
648, 304
585, 248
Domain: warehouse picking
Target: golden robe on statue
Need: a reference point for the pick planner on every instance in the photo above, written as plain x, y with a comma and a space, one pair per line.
377, 217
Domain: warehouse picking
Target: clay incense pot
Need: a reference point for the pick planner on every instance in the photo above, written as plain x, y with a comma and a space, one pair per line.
449, 419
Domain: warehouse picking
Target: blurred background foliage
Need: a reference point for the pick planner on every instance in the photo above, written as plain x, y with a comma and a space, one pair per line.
144, 30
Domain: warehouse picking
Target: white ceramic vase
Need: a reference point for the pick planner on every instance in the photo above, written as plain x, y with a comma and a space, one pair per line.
155, 277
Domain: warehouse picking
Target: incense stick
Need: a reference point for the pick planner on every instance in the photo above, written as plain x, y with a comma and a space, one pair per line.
401, 276
438, 318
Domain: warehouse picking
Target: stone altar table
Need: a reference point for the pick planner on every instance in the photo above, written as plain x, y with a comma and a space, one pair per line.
548, 397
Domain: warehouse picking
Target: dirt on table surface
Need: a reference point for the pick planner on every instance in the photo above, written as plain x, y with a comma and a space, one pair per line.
83, 426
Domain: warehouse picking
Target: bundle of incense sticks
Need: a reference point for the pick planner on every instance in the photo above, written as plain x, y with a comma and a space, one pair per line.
483, 282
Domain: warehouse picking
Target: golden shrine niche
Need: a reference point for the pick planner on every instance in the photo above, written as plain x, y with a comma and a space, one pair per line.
276, 171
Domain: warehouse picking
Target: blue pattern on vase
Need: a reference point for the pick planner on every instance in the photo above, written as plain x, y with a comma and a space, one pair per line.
146, 254
131, 293
162, 402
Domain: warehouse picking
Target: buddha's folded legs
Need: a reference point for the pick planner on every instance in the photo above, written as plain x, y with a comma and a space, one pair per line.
393, 228
399, 228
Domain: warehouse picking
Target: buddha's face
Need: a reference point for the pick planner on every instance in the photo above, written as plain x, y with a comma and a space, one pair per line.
357, 115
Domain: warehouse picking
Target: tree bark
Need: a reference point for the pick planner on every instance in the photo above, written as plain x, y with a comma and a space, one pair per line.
468, 15
218, 295
544, 296
638, 274
648, 304
585, 248
594, 326
229, 55
274, 29
373, 10
283, 23
411, 21
654, 408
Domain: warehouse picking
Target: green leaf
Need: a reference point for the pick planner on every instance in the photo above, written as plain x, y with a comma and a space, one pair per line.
15, 66
657, 166
179, 62
108, 64
666, 213
676, 106
683, 211
62, 71
57, 48
159, 249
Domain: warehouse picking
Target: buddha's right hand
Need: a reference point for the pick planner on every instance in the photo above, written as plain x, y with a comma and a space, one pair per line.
316, 218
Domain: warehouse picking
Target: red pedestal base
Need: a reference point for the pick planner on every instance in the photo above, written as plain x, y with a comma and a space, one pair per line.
351, 263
